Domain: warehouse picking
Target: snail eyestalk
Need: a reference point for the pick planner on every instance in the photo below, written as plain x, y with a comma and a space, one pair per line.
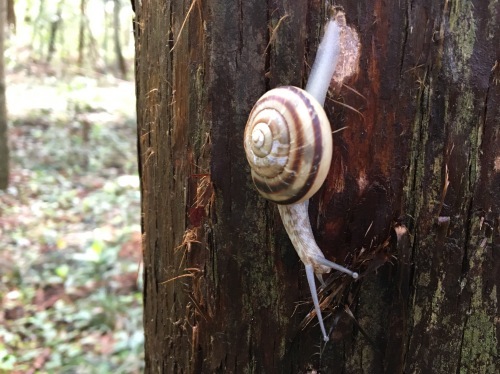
314, 294
333, 265
325, 62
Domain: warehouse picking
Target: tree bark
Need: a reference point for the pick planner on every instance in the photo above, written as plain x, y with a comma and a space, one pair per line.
412, 200
4, 146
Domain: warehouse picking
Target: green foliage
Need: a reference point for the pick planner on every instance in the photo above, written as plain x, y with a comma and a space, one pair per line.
69, 231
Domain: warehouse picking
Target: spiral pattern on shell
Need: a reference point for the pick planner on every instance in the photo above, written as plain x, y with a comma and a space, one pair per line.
288, 143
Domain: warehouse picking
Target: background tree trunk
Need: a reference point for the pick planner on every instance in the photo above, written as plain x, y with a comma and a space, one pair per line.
412, 200
55, 26
4, 147
81, 32
120, 61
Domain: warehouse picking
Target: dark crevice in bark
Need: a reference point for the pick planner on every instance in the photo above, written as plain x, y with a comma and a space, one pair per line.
405, 41
416, 161
467, 237
268, 50
240, 30
459, 359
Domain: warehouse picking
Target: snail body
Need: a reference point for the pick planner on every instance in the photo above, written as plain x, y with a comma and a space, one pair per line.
288, 144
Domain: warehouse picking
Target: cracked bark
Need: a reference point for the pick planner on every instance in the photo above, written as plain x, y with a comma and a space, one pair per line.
412, 199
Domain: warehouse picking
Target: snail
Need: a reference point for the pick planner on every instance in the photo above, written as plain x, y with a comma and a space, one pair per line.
288, 143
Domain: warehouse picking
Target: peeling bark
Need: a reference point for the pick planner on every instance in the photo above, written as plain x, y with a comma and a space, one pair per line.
412, 200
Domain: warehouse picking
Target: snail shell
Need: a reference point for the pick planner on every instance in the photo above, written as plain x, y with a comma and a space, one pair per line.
288, 143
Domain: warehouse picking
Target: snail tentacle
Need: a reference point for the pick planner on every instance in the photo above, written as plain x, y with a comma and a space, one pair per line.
325, 62
314, 294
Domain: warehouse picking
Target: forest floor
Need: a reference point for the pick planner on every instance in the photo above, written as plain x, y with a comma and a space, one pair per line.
70, 257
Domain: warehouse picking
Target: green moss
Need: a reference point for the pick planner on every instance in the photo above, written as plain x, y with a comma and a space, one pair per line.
465, 111
424, 279
420, 136
465, 117
437, 301
417, 315
492, 25
460, 122
463, 31
437, 182
480, 344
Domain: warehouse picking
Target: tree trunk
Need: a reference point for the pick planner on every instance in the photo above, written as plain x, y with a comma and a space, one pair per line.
4, 148
120, 61
412, 200
55, 25
81, 33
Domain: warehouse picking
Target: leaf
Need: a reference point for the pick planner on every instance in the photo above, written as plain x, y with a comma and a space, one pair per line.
97, 246
62, 271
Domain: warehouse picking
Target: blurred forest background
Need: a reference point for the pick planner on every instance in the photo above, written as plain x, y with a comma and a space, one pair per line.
70, 255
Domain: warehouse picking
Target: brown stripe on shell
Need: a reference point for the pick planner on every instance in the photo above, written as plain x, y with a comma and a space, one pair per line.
317, 143
283, 181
